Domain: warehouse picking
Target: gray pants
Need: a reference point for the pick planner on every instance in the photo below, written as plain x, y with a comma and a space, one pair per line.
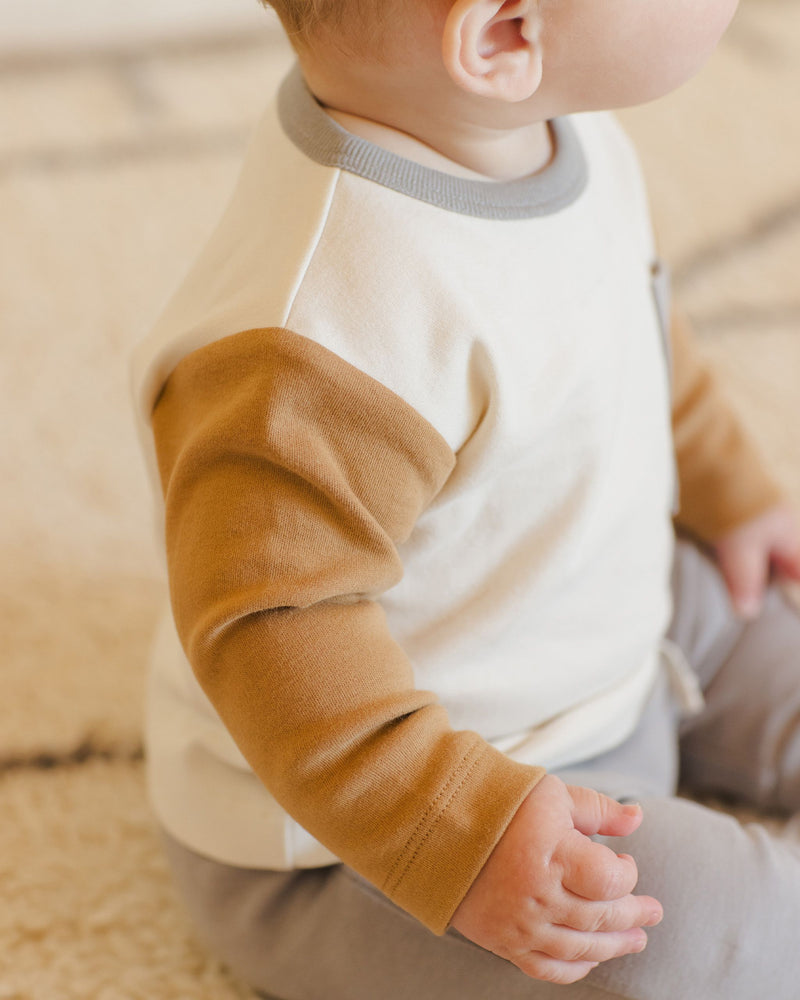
731, 892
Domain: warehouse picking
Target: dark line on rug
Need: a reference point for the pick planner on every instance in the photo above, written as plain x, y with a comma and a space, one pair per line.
87, 751
59, 60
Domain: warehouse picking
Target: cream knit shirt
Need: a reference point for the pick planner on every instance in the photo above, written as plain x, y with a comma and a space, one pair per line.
519, 322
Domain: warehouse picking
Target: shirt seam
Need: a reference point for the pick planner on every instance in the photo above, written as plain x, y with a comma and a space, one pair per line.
312, 251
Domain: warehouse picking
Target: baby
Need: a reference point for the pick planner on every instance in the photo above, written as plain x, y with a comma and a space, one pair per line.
425, 423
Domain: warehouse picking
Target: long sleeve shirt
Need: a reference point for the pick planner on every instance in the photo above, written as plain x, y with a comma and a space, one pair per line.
416, 438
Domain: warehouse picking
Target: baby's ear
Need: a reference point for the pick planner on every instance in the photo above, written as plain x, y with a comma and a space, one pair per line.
492, 48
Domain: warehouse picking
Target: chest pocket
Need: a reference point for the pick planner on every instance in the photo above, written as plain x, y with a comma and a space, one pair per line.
661, 286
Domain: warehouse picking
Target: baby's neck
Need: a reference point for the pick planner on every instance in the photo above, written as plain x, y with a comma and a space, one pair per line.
478, 156
416, 112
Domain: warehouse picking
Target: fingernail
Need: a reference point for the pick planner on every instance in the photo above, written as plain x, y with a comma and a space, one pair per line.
632, 809
642, 944
655, 918
748, 608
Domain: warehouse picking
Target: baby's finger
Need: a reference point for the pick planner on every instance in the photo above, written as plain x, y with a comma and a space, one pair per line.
788, 564
566, 945
593, 870
618, 915
550, 970
745, 569
593, 812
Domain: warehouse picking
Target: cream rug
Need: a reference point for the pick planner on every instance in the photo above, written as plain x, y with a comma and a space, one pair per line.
113, 166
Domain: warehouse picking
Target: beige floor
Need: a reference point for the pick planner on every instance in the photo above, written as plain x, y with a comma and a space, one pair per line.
113, 165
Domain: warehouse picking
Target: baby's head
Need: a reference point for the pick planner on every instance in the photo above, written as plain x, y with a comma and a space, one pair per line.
558, 56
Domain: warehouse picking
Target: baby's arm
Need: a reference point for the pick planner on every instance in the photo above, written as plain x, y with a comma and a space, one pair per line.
551, 900
727, 497
722, 478
290, 478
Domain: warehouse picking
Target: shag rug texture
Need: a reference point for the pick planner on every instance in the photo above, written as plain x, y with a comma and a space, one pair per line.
114, 164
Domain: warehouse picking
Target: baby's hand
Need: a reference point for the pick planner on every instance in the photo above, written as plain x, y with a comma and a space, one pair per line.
747, 554
552, 901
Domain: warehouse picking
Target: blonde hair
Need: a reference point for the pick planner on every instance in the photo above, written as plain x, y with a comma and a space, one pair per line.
356, 27
304, 20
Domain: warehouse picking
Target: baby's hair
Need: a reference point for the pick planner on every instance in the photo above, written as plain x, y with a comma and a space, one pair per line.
303, 19
356, 26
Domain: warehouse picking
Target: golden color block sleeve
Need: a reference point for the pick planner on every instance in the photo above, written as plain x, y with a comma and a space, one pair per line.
723, 481
290, 478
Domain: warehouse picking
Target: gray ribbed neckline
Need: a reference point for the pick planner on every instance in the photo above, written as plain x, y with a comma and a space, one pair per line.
323, 140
